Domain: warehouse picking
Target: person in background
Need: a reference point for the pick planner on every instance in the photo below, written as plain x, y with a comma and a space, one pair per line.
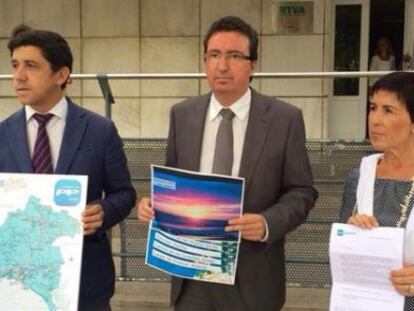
268, 150
383, 58
381, 191
71, 140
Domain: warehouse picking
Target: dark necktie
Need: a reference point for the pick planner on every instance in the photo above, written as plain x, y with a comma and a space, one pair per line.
223, 153
42, 159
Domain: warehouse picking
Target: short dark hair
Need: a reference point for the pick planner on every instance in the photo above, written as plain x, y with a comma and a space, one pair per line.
52, 45
234, 23
401, 84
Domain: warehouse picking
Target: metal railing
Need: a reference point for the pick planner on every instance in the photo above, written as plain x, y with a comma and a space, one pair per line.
103, 79
126, 76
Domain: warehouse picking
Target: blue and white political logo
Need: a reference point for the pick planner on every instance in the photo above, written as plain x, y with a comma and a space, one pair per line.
67, 192
343, 232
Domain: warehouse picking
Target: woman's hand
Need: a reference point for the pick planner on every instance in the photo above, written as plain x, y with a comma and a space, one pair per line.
363, 221
403, 280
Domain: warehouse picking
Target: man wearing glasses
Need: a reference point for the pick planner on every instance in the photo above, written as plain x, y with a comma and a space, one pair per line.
267, 146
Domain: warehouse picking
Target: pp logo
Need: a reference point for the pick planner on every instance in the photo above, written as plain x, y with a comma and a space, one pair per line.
340, 232
67, 192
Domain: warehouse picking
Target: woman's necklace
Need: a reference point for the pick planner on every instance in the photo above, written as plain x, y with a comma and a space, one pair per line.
404, 206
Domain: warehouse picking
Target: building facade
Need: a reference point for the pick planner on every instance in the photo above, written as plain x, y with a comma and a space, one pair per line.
157, 36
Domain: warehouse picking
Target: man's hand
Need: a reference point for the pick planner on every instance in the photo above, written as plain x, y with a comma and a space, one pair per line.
145, 212
92, 218
251, 226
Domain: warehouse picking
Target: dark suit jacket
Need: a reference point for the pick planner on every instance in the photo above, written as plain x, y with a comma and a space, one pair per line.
90, 146
278, 185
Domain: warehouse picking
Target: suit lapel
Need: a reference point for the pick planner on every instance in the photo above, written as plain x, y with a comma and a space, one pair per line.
76, 122
17, 139
196, 130
256, 133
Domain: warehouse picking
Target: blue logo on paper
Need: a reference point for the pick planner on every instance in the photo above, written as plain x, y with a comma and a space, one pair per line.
67, 192
342, 232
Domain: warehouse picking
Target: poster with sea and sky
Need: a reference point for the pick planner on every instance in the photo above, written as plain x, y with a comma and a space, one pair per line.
187, 238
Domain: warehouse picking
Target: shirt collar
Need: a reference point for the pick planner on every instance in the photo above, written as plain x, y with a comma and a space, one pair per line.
240, 107
59, 110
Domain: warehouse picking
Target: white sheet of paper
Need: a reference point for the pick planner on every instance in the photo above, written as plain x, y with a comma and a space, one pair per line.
361, 261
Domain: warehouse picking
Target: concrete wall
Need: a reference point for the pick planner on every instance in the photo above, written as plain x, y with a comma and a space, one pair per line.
166, 36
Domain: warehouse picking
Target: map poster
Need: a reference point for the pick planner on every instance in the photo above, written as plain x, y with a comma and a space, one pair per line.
187, 237
41, 241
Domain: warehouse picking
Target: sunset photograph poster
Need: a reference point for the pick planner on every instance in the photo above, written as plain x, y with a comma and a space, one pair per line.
196, 205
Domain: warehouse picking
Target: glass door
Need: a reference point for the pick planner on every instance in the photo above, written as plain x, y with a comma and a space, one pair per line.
408, 58
347, 100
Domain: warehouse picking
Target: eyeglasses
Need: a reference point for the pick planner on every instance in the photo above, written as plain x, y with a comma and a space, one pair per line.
213, 57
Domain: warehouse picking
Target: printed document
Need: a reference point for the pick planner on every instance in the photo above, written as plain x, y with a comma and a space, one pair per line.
41, 239
361, 261
187, 236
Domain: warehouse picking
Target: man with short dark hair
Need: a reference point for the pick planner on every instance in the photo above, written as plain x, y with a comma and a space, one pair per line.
71, 140
267, 146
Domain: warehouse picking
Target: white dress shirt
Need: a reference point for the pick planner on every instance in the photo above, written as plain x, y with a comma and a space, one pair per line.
241, 110
54, 128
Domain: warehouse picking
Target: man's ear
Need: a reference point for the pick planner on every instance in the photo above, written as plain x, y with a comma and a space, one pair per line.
254, 65
63, 75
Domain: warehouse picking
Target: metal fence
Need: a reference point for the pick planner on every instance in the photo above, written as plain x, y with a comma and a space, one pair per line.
306, 247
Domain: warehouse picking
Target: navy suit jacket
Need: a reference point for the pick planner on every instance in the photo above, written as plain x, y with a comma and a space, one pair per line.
91, 146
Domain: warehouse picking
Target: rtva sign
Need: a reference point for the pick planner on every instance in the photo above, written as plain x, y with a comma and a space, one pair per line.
292, 10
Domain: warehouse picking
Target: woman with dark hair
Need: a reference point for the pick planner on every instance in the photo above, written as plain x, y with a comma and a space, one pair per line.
381, 191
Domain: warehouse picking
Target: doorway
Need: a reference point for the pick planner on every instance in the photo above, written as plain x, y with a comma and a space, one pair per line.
387, 21
386, 25
357, 25
347, 99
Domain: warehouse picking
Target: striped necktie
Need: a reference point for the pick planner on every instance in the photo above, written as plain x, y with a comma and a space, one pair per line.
42, 158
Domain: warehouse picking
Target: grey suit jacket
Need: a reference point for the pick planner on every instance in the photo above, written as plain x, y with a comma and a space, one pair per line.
278, 178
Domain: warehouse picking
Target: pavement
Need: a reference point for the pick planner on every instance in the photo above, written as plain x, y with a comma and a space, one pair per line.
154, 296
